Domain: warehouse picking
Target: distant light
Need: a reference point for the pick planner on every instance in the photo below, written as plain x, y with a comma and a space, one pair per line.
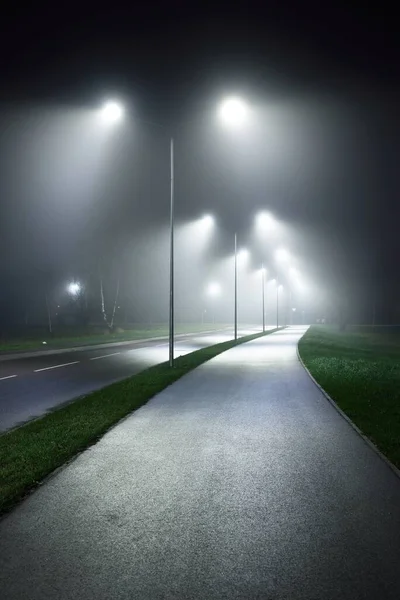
265, 220
74, 288
213, 289
243, 255
282, 255
280, 287
233, 112
112, 111
293, 309
262, 271
44, 342
207, 221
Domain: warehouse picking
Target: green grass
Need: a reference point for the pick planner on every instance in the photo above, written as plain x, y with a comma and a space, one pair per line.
83, 338
361, 373
30, 452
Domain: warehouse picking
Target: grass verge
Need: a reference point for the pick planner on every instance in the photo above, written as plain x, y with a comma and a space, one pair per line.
361, 373
30, 452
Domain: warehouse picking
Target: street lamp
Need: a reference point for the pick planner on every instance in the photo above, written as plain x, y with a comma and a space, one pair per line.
207, 222
112, 111
214, 289
241, 256
263, 295
74, 288
233, 112
282, 255
235, 302
266, 221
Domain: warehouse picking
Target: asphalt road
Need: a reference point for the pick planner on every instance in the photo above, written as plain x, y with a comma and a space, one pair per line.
239, 481
31, 386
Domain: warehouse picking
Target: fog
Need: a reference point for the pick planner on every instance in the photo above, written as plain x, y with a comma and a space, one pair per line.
83, 201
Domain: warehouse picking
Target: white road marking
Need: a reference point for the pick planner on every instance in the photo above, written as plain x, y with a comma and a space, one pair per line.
57, 366
8, 377
105, 356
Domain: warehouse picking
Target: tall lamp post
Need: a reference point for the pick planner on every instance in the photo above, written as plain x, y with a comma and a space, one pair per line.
235, 303
171, 260
277, 305
263, 295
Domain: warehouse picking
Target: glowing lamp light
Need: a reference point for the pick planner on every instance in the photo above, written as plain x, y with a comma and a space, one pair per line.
214, 289
233, 112
242, 256
207, 221
282, 255
265, 220
112, 111
74, 288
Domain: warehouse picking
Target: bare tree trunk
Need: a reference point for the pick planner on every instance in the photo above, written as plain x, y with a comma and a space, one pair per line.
115, 303
48, 313
109, 324
103, 307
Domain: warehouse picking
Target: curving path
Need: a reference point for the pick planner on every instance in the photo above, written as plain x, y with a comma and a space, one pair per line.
238, 481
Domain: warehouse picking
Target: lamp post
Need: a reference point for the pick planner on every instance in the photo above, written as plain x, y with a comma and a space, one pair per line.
263, 296
277, 305
171, 260
235, 303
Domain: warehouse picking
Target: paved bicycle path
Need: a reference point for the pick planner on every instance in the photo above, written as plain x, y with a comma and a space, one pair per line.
239, 481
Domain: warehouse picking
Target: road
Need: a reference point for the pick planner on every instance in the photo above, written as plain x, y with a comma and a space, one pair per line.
238, 482
31, 386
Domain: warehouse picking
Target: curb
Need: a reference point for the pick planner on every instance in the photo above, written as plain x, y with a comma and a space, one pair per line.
371, 445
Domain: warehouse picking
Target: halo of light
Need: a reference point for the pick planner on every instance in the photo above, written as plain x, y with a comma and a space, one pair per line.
282, 255
265, 220
233, 111
213, 289
207, 221
112, 111
74, 288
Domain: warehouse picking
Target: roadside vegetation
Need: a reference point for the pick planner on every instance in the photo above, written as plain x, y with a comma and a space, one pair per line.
361, 373
30, 452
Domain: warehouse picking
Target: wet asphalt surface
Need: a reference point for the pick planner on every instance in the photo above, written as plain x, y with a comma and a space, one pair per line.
30, 386
239, 481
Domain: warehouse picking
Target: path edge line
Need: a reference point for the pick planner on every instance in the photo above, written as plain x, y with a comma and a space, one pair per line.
385, 459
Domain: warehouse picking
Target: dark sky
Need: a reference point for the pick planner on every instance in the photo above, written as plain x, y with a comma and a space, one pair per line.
325, 160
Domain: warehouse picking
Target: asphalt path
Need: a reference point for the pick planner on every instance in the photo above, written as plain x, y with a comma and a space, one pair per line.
239, 481
30, 386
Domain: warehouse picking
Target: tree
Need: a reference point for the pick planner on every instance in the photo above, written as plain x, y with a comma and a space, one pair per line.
108, 316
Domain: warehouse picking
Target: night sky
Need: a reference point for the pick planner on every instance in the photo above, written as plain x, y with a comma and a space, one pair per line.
324, 158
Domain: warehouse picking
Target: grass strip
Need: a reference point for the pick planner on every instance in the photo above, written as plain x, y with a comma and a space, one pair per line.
31, 452
361, 373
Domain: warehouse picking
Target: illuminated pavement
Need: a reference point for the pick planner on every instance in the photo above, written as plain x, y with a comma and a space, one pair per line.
34, 384
240, 481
